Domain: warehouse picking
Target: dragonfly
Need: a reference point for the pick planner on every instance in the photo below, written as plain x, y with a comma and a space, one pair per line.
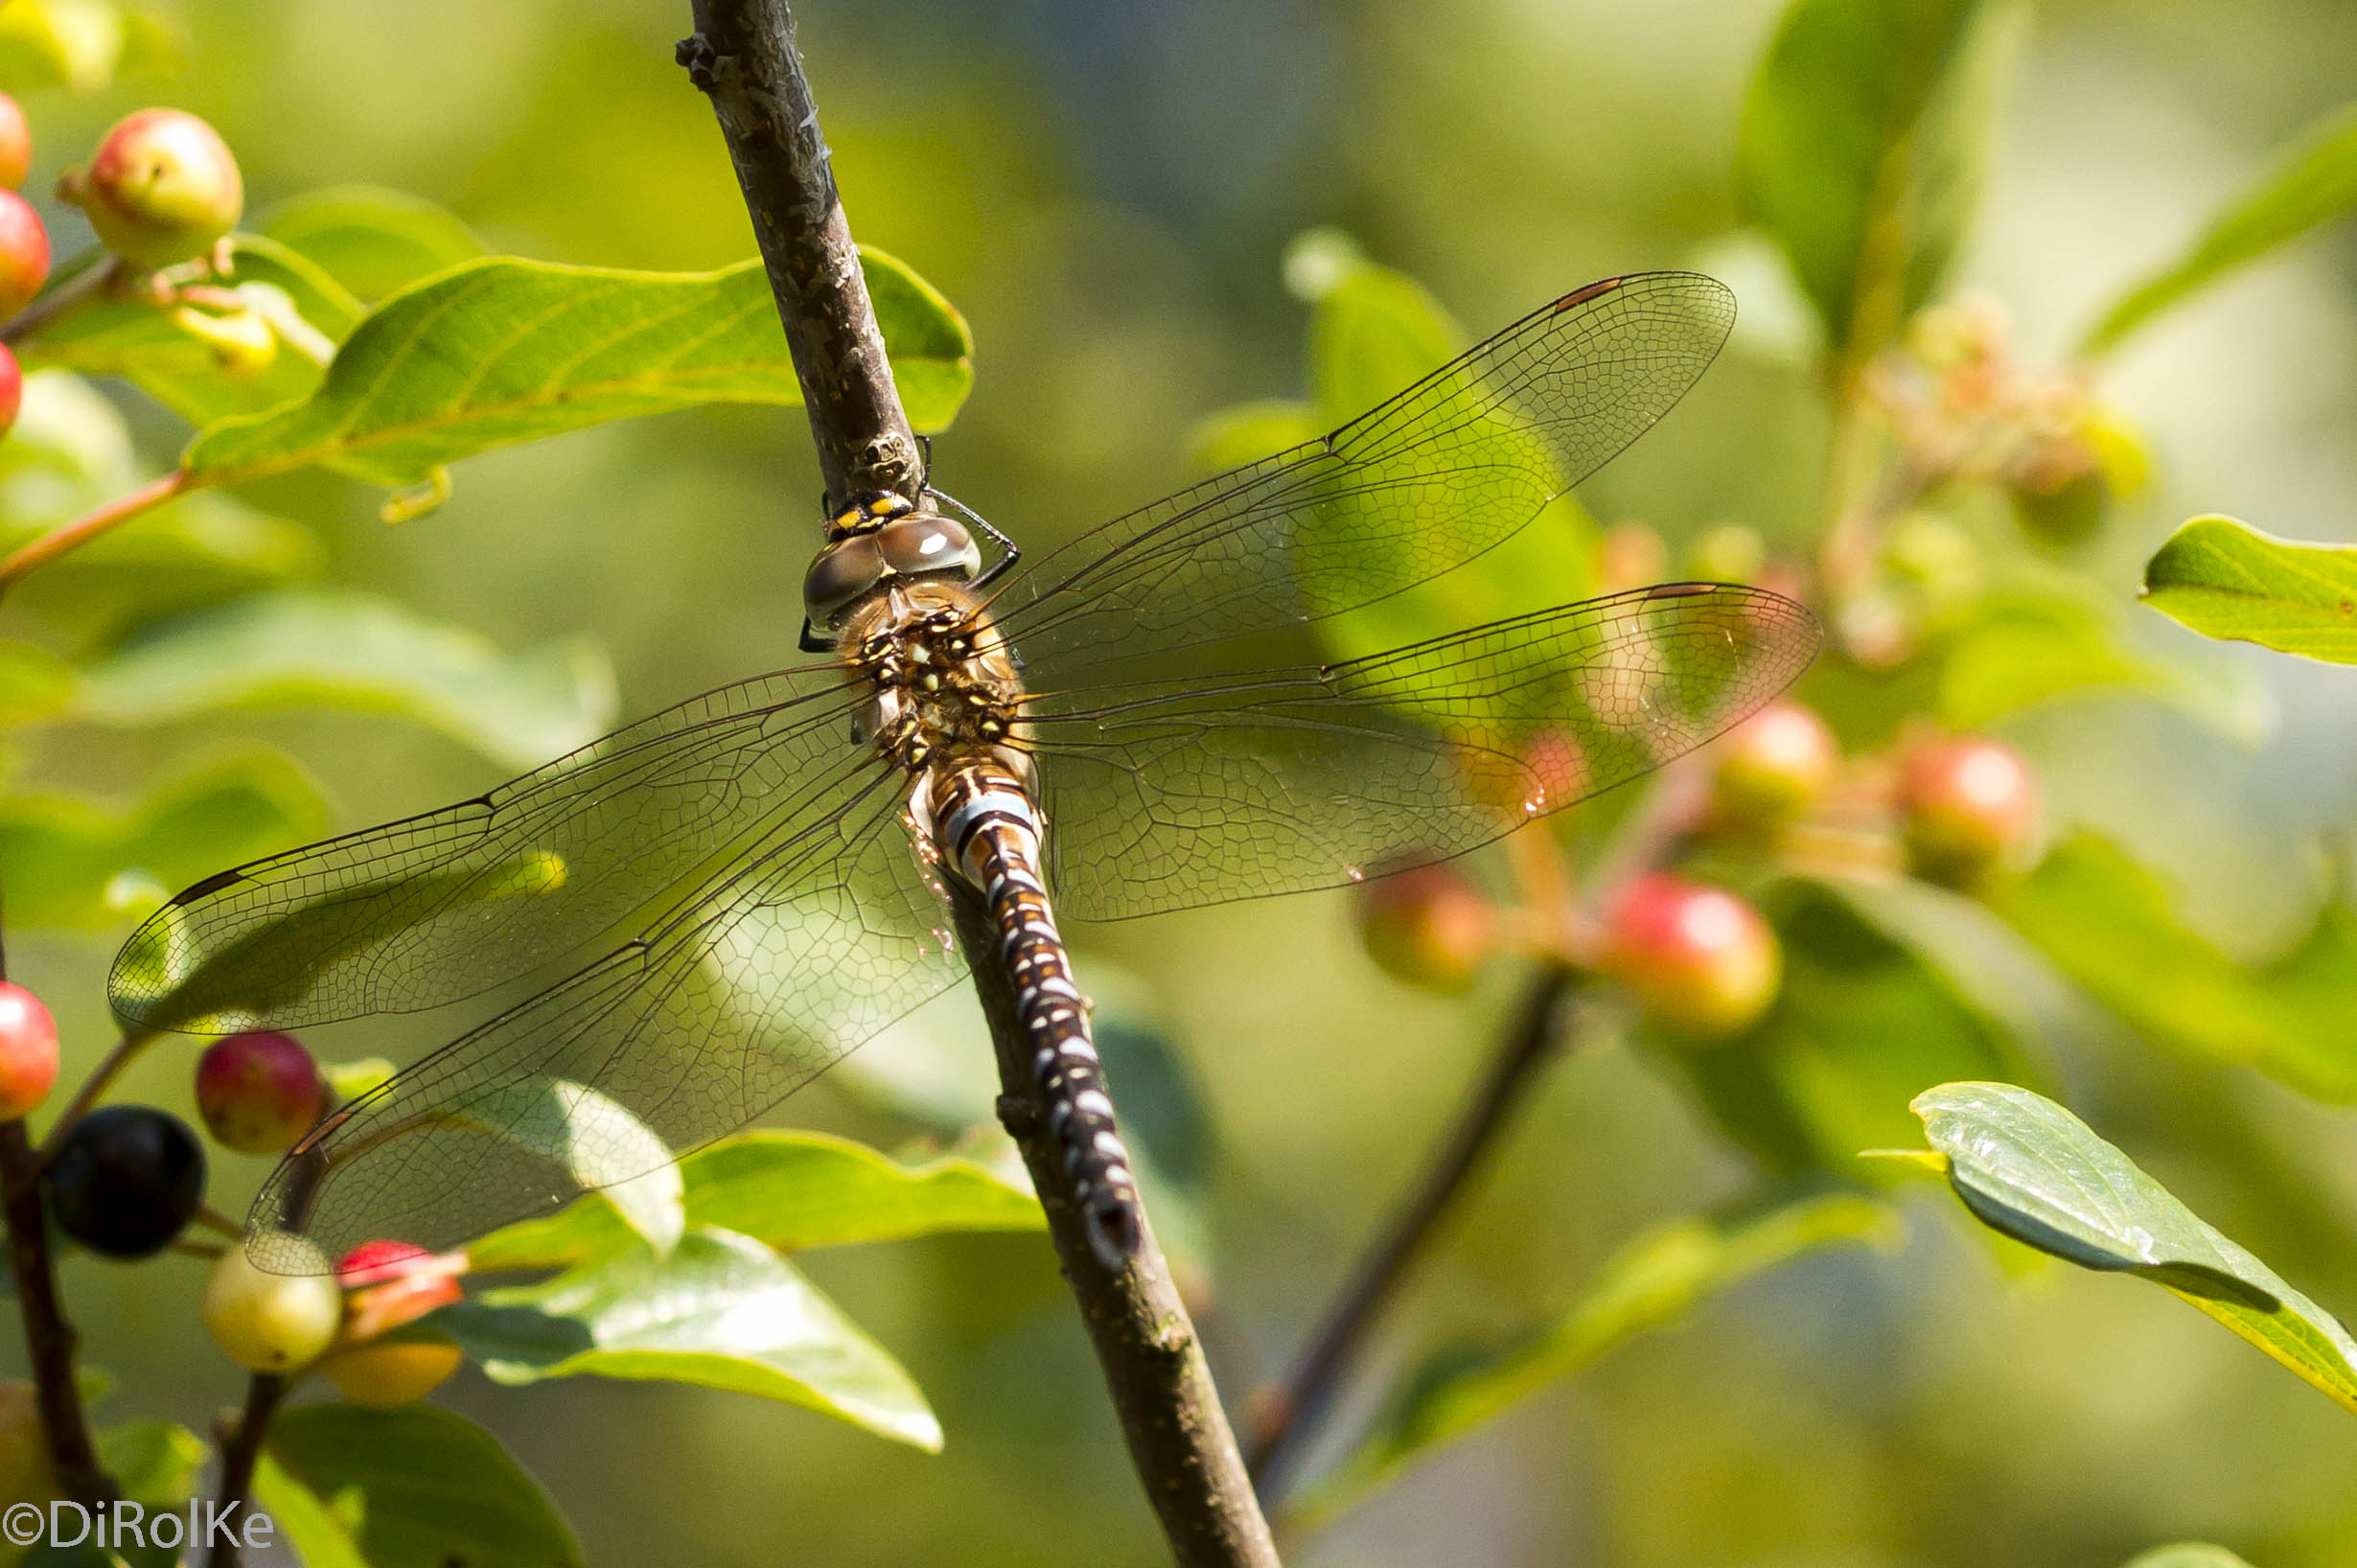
1121, 725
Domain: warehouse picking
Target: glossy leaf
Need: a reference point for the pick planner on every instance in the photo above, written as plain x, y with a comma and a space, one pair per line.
146, 345
73, 863
2022, 648
353, 650
504, 350
2313, 181
722, 1311
1650, 1283
789, 1190
372, 240
2226, 578
1863, 1021
413, 1488
1862, 146
2031, 1169
2114, 927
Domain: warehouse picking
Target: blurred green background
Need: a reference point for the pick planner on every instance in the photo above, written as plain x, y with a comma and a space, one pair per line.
1105, 190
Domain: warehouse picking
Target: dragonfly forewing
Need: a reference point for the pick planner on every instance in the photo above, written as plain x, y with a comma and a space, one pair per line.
1446, 470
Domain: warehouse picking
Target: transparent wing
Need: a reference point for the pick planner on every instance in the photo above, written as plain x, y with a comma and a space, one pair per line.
1164, 795
447, 905
651, 1053
1446, 470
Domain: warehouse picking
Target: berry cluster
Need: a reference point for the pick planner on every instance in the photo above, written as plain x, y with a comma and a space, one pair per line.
125, 1181
161, 190
1699, 958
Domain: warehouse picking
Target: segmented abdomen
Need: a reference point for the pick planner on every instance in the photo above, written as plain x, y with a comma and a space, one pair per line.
985, 826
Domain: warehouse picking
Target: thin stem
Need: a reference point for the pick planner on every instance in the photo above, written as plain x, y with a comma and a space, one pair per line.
89, 525
1286, 1420
49, 1338
241, 1451
83, 285
743, 55
101, 1078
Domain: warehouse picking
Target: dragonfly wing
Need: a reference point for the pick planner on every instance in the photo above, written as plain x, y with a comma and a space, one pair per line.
451, 904
644, 1056
1449, 468
1165, 795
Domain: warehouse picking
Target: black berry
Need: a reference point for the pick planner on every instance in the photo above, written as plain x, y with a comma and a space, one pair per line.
127, 1179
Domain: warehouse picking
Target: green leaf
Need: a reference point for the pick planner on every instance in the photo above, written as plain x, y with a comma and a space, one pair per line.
788, 1190
1862, 1022
2312, 181
321, 1535
69, 862
373, 241
504, 350
2113, 927
413, 1488
2023, 647
2187, 1554
1862, 146
2031, 1169
143, 343
58, 43
1649, 1284
722, 1311
355, 651
2226, 578
603, 1146
155, 1463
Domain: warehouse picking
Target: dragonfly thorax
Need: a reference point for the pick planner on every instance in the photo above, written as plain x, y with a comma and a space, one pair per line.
942, 686
866, 551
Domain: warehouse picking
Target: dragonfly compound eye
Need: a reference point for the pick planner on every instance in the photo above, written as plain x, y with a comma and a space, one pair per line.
929, 544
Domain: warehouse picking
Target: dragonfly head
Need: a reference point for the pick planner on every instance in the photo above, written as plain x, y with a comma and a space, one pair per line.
879, 541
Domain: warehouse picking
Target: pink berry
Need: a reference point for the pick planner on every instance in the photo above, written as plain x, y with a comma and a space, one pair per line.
260, 1092
1970, 810
1773, 764
28, 1051
1429, 926
1701, 960
15, 144
161, 189
24, 253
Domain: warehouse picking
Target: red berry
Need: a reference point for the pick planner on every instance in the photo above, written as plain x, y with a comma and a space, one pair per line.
161, 189
1969, 809
15, 144
28, 1048
414, 1283
1429, 926
1773, 764
12, 388
260, 1092
1701, 960
24, 253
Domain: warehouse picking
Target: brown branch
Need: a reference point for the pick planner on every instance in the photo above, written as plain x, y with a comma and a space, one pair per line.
240, 1452
65, 537
743, 55
1284, 1420
1153, 1362
49, 1338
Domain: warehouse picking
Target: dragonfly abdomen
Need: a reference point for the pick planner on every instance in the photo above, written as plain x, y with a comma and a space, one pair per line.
985, 826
